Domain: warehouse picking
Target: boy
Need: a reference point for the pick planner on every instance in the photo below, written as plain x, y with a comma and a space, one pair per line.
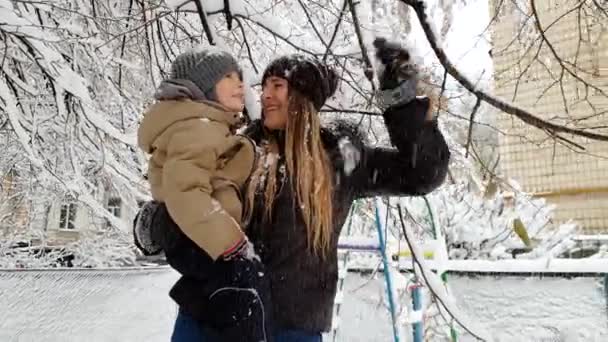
197, 169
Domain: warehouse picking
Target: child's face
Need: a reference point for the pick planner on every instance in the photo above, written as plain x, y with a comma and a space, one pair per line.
230, 93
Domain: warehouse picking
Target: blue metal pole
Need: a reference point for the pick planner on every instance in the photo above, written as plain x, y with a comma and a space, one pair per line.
387, 276
417, 304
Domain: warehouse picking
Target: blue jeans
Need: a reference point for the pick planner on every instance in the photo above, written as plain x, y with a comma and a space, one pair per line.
186, 329
297, 336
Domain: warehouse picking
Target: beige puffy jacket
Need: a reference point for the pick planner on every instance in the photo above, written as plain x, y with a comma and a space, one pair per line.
198, 168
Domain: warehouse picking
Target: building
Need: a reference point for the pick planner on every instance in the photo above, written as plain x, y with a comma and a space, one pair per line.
61, 221
534, 79
68, 220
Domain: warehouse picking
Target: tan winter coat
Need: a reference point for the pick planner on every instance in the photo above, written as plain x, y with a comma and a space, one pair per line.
198, 168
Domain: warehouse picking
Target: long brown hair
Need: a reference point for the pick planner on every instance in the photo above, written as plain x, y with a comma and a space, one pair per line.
308, 168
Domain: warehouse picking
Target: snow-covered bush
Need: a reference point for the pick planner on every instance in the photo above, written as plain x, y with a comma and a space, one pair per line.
498, 227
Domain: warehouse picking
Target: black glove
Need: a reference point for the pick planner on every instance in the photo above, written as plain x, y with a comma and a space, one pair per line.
233, 302
230, 295
143, 227
398, 77
240, 302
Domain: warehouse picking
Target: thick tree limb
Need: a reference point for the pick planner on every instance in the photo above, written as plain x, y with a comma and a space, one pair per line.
368, 64
228, 14
525, 116
203, 17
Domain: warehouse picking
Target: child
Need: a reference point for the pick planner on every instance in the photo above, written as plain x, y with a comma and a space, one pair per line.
197, 169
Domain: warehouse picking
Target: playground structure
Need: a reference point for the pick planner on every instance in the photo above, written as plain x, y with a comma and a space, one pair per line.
436, 251
415, 317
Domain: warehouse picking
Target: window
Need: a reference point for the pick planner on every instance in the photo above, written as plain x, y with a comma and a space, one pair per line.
114, 206
67, 216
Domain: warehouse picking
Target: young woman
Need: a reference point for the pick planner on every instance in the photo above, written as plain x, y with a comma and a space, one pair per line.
308, 176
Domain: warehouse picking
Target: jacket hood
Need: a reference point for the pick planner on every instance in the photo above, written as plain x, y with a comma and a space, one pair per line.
163, 114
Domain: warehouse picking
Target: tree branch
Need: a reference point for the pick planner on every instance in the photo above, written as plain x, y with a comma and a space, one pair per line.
554, 52
497, 103
471, 124
246, 42
335, 34
203, 16
368, 64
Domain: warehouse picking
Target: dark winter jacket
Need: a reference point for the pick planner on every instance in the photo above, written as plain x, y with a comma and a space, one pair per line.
303, 286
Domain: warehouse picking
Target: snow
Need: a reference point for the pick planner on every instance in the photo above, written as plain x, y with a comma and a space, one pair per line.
243, 9
133, 305
543, 265
350, 154
431, 13
415, 316
597, 237
8, 4
533, 309
250, 254
512, 308
270, 159
358, 241
91, 305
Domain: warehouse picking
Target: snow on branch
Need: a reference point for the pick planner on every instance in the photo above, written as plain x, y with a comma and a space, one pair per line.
54, 65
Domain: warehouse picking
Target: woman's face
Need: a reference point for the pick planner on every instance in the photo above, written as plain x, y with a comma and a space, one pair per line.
275, 102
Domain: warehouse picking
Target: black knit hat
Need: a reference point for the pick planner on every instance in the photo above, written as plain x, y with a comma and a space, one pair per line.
314, 79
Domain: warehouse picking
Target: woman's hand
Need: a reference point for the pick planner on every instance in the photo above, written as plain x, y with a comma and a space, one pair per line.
398, 76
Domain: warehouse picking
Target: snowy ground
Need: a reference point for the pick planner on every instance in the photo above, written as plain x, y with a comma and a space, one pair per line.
133, 306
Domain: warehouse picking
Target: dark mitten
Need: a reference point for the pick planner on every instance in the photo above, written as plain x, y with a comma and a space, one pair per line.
143, 229
241, 301
398, 77
154, 231
234, 302
230, 295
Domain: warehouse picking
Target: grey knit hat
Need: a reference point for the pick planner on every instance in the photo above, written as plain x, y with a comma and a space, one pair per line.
204, 66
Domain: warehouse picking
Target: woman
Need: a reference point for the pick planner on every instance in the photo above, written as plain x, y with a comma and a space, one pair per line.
308, 177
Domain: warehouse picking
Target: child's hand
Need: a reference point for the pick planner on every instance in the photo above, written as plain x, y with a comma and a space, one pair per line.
243, 249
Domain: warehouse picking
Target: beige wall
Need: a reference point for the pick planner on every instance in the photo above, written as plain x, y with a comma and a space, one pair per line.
577, 182
85, 221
